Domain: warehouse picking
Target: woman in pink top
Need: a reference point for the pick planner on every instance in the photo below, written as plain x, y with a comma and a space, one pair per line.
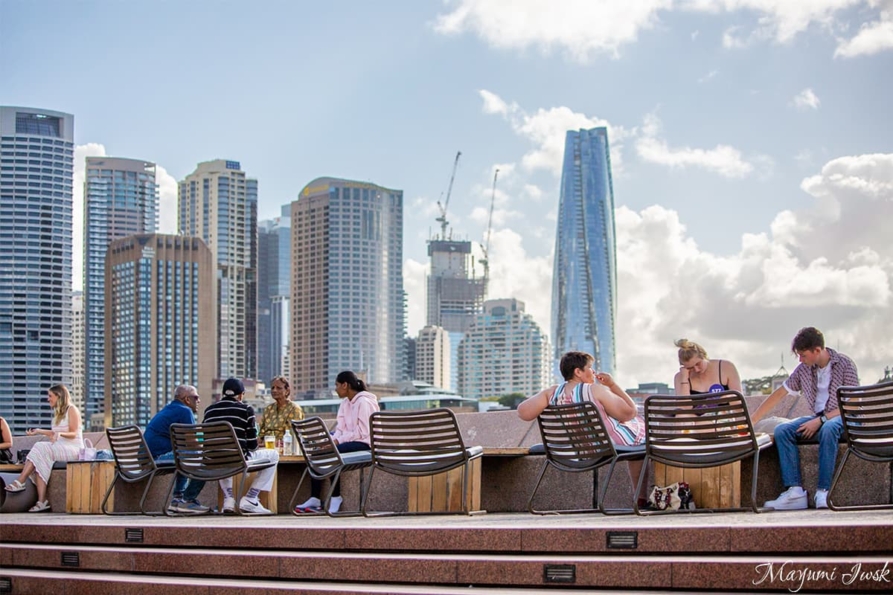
351, 433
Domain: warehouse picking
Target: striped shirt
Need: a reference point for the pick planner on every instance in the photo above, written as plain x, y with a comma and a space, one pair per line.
804, 380
624, 433
240, 415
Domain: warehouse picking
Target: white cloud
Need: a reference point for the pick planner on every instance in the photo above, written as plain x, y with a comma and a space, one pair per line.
167, 201
724, 160
708, 76
584, 29
415, 285
830, 268
81, 152
806, 99
546, 130
872, 38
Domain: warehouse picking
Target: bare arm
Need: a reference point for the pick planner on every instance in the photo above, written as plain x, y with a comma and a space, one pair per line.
682, 383
533, 406
7, 435
732, 379
769, 404
74, 423
614, 399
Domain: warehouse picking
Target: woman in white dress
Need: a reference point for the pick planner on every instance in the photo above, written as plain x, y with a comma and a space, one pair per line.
66, 440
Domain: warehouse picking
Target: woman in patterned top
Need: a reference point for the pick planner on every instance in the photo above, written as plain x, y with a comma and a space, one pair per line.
277, 417
619, 412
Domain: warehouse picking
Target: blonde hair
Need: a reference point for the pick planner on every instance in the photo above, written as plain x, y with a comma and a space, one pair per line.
689, 349
63, 402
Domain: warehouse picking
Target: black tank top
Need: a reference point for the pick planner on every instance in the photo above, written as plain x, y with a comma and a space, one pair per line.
714, 388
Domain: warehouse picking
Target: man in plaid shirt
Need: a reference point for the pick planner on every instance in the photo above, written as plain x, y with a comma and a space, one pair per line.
818, 376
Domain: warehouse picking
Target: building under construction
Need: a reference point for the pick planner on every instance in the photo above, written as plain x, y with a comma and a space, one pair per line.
455, 294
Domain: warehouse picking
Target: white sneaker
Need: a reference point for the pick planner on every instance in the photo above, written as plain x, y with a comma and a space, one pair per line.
335, 504
249, 507
821, 499
311, 505
794, 498
229, 505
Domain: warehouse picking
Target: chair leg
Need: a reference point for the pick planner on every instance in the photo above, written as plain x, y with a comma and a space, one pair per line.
366, 492
170, 494
603, 493
146, 494
837, 475
753, 484
639, 486
536, 487
328, 499
243, 489
294, 496
108, 493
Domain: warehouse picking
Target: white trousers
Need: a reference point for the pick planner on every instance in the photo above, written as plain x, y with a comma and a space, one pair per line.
263, 479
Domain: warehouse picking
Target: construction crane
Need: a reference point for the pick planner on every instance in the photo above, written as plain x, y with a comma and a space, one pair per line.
446, 203
486, 259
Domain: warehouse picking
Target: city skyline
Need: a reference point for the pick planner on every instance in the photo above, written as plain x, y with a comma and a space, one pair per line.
750, 142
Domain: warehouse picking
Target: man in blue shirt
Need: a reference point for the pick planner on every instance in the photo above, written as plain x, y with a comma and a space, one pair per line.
158, 437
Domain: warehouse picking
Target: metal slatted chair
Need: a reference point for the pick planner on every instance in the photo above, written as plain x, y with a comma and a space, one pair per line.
415, 444
211, 452
325, 462
133, 463
701, 431
867, 415
575, 440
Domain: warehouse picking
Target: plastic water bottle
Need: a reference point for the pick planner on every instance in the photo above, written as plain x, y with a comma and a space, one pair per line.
287, 444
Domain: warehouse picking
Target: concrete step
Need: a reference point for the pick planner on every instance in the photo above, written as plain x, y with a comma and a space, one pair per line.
651, 572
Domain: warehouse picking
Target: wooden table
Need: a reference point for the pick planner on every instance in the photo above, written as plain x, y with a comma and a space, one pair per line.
711, 487
86, 483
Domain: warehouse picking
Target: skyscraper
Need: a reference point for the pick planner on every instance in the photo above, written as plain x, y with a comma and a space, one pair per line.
273, 291
433, 357
218, 203
159, 299
120, 199
347, 284
584, 278
76, 389
503, 352
36, 168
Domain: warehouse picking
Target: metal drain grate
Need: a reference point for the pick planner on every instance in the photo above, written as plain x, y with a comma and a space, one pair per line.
72, 559
622, 540
559, 573
133, 535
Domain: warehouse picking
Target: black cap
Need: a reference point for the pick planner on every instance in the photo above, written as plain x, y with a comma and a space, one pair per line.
233, 387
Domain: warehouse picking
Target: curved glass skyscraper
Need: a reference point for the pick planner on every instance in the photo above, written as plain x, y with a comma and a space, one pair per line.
584, 280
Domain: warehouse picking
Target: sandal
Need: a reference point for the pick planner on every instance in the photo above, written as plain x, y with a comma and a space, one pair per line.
40, 506
15, 487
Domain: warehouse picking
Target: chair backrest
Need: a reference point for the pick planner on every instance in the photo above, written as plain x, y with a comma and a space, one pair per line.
132, 455
317, 445
867, 413
415, 443
698, 430
207, 451
574, 435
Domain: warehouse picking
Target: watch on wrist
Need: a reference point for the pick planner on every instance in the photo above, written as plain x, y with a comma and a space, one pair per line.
823, 418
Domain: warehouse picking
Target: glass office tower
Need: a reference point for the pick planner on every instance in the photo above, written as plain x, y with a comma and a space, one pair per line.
584, 279
36, 168
218, 203
273, 288
347, 294
120, 199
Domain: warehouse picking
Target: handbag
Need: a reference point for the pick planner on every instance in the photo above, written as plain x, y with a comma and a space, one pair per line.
6, 456
88, 452
672, 497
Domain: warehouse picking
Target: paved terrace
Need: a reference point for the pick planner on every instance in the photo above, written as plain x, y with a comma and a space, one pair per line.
491, 553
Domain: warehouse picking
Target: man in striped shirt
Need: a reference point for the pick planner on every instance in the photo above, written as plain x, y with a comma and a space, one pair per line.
241, 416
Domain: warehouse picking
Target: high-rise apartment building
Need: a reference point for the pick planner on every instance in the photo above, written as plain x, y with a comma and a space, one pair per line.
347, 294
160, 300
218, 203
433, 357
504, 352
584, 278
36, 168
120, 199
455, 294
273, 291
76, 390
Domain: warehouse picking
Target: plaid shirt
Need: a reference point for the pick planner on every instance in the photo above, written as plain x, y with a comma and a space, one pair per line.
276, 420
805, 379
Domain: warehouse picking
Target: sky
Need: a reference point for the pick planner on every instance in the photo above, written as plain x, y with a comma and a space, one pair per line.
750, 140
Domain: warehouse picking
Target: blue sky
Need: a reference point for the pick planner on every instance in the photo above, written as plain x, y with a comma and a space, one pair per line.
751, 139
